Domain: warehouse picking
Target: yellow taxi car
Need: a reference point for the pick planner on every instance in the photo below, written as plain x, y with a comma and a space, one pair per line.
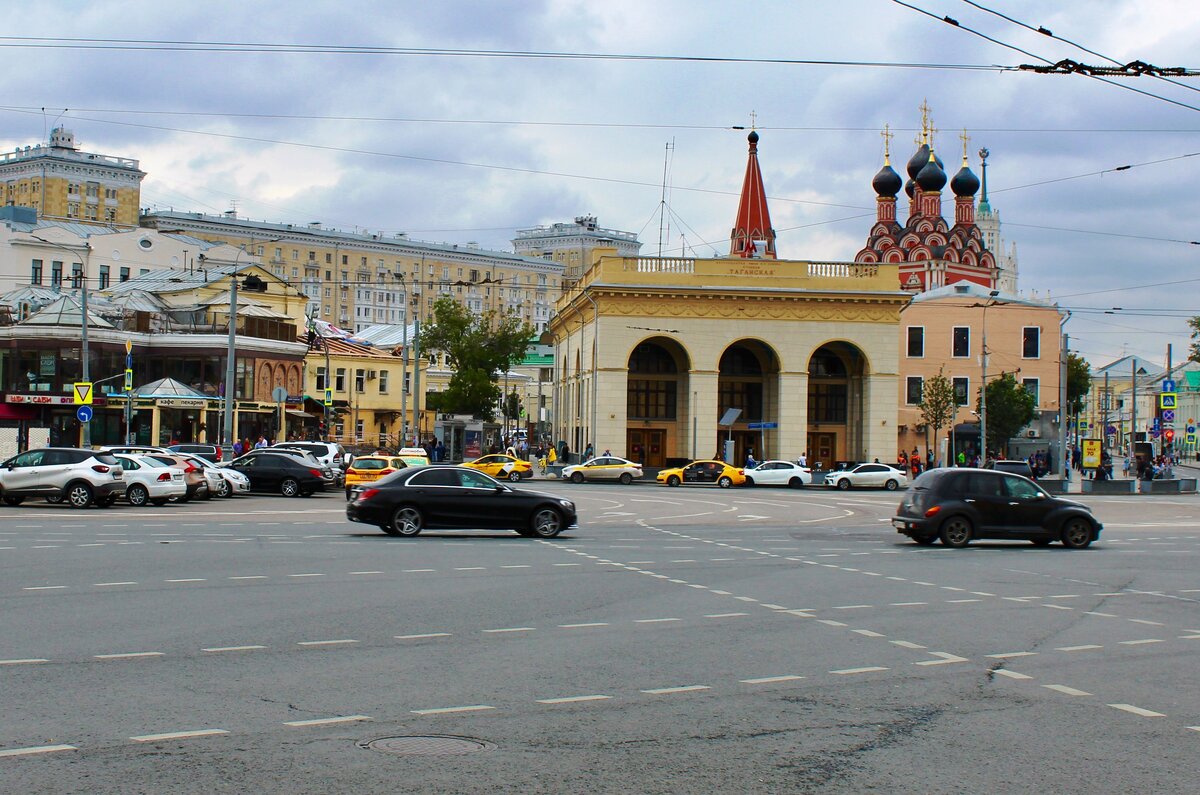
606, 467
369, 468
502, 467
718, 472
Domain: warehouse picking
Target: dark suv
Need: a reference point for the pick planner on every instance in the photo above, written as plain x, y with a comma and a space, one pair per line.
958, 505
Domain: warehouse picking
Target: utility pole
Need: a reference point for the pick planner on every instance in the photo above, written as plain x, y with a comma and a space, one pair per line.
85, 366
1163, 448
1063, 415
1133, 410
983, 383
230, 351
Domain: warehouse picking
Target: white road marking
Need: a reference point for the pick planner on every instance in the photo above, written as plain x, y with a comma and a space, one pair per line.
327, 721
28, 661
510, 629
868, 633
1088, 647
1140, 642
571, 699
961, 601
581, 626
946, 659
448, 710
830, 623
106, 584
469, 568
906, 644
1012, 674
1067, 691
366, 572
233, 648
128, 655
907, 604
659, 691
721, 593
423, 635
566, 564
1144, 621
866, 670
851, 607
188, 579
745, 598
326, 642
519, 566
306, 575
1145, 713
771, 679
37, 749
1009, 654
251, 577
151, 738
1098, 613
415, 571
654, 620
44, 587
725, 615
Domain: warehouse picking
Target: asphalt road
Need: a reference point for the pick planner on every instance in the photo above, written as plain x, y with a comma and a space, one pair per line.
684, 640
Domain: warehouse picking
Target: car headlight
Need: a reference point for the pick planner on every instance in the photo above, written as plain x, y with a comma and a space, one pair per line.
567, 504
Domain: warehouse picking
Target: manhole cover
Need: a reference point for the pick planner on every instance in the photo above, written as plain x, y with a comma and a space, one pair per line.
429, 745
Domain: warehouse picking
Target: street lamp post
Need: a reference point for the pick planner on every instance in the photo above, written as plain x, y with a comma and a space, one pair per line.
230, 350
983, 381
85, 367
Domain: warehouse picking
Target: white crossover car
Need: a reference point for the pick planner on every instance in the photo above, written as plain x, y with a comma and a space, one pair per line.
779, 473
867, 475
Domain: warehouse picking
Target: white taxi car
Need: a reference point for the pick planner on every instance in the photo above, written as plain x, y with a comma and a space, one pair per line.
871, 475
603, 468
779, 473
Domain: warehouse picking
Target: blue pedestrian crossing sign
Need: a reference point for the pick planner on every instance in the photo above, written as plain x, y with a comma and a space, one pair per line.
1168, 400
84, 413
328, 397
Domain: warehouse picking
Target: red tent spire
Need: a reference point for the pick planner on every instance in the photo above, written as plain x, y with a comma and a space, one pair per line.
752, 233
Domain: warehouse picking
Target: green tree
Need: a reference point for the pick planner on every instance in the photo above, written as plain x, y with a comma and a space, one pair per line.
1194, 350
938, 403
1010, 407
479, 348
1079, 382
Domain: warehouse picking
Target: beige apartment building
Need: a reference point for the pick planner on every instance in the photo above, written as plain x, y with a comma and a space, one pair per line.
945, 330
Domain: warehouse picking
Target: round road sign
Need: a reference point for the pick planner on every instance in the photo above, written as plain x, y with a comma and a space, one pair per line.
84, 413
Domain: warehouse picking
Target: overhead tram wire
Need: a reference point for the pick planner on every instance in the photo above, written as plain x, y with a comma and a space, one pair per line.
954, 22
1045, 32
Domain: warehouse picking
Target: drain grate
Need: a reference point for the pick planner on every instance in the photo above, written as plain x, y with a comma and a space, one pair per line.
427, 745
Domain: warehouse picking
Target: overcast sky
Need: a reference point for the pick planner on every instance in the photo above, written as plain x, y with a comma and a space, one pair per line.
451, 148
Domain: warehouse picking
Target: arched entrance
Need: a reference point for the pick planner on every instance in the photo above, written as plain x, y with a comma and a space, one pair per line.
748, 379
655, 403
835, 405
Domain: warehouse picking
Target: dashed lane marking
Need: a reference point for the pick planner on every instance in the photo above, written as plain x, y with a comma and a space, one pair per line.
342, 642
655, 620
1066, 691
37, 749
766, 680
509, 629
422, 636
128, 655
725, 615
108, 584
1007, 655
233, 648
1012, 674
449, 710
660, 691
251, 577
1141, 642
27, 661
184, 735
1145, 713
584, 625
864, 670
327, 721
1087, 647
906, 644
44, 588
572, 699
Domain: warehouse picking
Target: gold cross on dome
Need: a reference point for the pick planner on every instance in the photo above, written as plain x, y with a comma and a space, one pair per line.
926, 124
966, 140
753, 119
887, 136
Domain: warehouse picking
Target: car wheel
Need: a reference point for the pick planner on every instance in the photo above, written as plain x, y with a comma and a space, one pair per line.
206, 494
925, 541
673, 480
576, 477
749, 481
159, 501
546, 523
514, 476
1041, 542
956, 532
407, 521
14, 501
79, 495
290, 487
725, 481
226, 489
796, 483
626, 478
844, 484
137, 495
1077, 534
891, 485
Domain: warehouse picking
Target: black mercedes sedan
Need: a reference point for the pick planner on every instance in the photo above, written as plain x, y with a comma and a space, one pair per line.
958, 505
407, 501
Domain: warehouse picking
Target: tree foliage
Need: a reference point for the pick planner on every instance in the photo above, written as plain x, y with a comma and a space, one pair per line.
1194, 350
1010, 407
1079, 382
938, 403
479, 348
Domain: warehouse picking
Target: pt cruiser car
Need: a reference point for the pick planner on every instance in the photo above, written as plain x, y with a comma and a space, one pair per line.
960, 505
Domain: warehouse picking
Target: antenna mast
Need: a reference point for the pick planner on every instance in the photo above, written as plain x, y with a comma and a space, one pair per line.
662, 204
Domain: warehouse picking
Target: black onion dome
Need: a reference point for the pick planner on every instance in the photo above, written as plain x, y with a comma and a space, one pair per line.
752, 137
887, 182
910, 187
965, 183
931, 178
918, 161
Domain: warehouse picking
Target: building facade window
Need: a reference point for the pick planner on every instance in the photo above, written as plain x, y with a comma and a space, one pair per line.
124, 275
1031, 342
1031, 386
55, 273
339, 380
358, 430
916, 342
360, 381
962, 387
914, 388
321, 380
961, 342
35, 272
104, 277
383, 382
